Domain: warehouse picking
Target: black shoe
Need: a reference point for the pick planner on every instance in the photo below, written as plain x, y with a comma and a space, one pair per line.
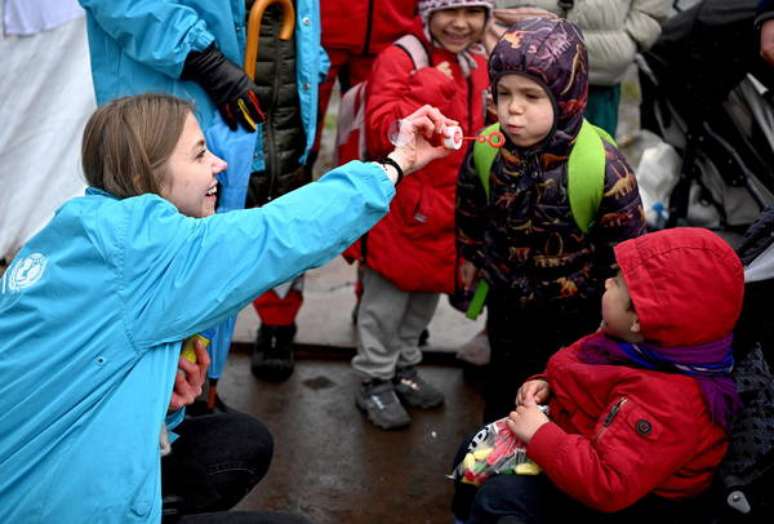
414, 391
377, 399
272, 357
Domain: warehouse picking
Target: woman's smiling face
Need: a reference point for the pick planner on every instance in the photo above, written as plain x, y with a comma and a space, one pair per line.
191, 184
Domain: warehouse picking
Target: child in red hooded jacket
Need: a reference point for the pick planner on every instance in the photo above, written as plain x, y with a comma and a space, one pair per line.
639, 411
408, 258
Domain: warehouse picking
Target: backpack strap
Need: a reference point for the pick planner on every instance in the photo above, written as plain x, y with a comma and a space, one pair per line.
586, 174
415, 49
484, 156
585, 184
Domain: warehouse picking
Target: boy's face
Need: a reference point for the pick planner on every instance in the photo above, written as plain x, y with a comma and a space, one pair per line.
190, 184
524, 109
618, 317
457, 29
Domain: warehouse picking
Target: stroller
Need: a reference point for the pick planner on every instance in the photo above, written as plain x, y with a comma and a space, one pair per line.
705, 91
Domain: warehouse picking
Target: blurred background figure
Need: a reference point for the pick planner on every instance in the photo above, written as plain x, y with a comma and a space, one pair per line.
45, 98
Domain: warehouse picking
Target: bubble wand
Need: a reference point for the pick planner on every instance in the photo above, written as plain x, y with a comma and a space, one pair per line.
451, 137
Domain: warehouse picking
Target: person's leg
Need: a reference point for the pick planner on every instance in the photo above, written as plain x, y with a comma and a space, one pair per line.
216, 460
411, 388
243, 517
602, 107
517, 498
522, 341
381, 311
272, 357
513, 334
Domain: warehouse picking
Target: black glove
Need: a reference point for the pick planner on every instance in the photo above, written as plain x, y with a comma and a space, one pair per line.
228, 86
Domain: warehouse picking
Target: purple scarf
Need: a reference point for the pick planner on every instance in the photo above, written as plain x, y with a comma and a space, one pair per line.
710, 364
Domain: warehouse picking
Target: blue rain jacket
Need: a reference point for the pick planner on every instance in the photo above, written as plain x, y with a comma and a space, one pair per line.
92, 313
140, 46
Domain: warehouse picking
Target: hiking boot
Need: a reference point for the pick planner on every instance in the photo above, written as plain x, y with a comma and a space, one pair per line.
377, 399
414, 391
272, 357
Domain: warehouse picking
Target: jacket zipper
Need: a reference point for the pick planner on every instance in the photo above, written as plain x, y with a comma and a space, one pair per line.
610, 417
369, 26
271, 162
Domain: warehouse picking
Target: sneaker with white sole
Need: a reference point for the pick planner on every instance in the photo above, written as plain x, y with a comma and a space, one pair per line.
414, 391
377, 399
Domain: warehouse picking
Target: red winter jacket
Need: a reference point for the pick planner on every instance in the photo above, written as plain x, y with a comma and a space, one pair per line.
414, 245
618, 432
365, 26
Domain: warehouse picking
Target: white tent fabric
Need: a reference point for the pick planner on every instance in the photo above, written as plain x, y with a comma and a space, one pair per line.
46, 96
27, 17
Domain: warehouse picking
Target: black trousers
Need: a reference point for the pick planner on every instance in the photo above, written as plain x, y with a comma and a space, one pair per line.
217, 459
533, 499
523, 339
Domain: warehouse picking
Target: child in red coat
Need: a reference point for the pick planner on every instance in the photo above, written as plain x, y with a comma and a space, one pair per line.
639, 412
409, 256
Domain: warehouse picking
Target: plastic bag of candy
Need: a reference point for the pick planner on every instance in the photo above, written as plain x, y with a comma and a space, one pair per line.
494, 451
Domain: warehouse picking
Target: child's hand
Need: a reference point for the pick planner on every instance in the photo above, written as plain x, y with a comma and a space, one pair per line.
533, 392
526, 420
468, 275
190, 377
415, 150
445, 68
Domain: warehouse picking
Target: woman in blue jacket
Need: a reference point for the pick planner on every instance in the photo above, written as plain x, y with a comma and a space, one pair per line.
194, 49
93, 309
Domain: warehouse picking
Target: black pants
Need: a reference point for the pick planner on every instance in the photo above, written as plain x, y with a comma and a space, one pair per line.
533, 499
216, 460
522, 340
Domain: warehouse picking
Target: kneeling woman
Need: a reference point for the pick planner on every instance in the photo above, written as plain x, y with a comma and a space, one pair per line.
94, 308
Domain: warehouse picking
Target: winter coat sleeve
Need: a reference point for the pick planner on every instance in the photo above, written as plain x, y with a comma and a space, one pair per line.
471, 213
181, 275
643, 23
631, 453
620, 215
157, 33
395, 90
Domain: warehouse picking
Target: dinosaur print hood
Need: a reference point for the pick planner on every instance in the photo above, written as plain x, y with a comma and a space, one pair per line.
552, 53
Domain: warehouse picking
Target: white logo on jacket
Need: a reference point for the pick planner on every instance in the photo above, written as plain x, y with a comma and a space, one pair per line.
26, 272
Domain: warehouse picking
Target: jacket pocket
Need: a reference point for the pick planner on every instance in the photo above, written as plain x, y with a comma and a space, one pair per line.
624, 419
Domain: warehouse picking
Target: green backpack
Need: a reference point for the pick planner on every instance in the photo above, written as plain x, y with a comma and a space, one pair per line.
585, 181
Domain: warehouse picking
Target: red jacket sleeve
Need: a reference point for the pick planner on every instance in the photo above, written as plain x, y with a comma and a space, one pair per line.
395, 90
630, 453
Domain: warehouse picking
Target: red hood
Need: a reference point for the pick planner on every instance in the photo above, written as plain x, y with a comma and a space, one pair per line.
686, 285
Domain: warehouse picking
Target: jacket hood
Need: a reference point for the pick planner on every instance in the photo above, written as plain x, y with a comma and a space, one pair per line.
686, 285
552, 53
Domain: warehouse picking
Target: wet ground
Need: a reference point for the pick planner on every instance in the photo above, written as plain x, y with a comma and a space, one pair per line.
333, 466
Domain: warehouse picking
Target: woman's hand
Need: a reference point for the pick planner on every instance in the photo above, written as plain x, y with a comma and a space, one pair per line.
190, 377
416, 131
533, 392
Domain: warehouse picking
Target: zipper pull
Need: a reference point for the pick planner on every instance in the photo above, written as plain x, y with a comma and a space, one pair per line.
613, 412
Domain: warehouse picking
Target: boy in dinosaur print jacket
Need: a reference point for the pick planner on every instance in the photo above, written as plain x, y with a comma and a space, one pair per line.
545, 274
